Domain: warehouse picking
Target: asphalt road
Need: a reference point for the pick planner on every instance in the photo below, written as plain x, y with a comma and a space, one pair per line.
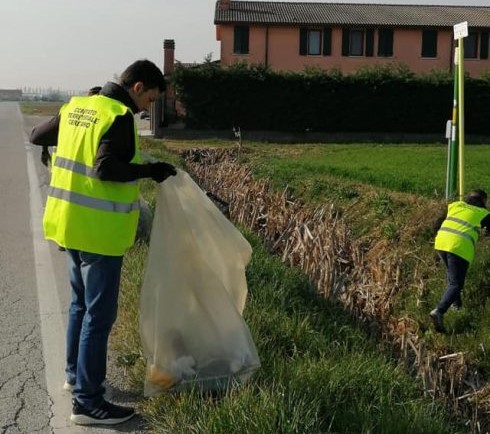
34, 296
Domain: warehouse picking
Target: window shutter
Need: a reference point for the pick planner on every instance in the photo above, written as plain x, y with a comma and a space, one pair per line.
471, 46
303, 42
390, 37
369, 42
484, 45
246, 38
385, 42
429, 43
240, 40
327, 41
345, 42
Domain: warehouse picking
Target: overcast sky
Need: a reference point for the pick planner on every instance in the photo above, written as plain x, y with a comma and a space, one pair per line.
75, 44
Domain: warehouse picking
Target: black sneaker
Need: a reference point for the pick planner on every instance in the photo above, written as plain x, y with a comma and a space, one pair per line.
105, 414
438, 320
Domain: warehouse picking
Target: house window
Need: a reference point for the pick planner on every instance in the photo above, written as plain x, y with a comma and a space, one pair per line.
470, 45
314, 42
240, 40
385, 42
476, 45
357, 42
429, 43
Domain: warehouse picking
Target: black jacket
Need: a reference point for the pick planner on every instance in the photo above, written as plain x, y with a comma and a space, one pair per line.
116, 149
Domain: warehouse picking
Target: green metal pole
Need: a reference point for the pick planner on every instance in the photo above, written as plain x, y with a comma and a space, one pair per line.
453, 147
461, 116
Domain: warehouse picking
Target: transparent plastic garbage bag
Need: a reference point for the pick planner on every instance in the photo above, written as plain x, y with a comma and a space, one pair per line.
193, 294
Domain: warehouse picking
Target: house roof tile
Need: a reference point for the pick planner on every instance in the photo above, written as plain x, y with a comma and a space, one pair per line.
287, 13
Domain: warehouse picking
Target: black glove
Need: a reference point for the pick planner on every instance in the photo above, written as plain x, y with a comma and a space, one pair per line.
45, 156
159, 172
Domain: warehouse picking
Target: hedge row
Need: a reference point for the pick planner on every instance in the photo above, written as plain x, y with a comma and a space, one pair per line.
375, 99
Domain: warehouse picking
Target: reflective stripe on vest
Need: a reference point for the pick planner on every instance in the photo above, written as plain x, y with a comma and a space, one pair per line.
464, 223
92, 202
460, 230
84, 212
79, 168
459, 233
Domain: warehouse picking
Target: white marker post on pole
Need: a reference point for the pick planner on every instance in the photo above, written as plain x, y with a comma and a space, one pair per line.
460, 32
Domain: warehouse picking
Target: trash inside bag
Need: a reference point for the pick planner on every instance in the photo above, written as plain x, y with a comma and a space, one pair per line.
144, 221
193, 295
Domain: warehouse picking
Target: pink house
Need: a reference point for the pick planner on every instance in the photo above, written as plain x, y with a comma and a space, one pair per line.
293, 36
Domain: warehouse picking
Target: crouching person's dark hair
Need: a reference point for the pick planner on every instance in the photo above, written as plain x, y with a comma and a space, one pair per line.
477, 198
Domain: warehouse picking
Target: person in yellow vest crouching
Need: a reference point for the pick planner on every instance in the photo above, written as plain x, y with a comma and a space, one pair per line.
455, 244
92, 211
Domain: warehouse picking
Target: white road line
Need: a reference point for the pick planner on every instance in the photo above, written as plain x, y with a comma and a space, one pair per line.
52, 325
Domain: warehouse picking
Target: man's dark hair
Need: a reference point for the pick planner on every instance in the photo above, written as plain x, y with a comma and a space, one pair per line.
146, 72
477, 198
94, 90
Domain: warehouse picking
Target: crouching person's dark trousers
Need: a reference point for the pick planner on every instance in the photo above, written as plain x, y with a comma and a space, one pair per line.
456, 274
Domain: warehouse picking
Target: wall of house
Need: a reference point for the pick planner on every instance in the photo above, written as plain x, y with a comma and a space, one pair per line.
283, 51
407, 48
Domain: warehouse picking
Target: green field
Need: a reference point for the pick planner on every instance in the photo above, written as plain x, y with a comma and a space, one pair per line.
418, 169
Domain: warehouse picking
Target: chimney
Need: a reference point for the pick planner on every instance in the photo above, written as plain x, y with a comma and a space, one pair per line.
224, 5
168, 56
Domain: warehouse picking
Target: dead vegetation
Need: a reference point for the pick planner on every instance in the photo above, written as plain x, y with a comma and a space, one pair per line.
366, 274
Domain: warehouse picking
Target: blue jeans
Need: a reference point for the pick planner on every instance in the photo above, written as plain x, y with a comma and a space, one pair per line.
456, 274
94, 281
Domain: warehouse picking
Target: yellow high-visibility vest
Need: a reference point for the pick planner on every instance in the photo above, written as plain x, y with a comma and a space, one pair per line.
82, 211
460, 230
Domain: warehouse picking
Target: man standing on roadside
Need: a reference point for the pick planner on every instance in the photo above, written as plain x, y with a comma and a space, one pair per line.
92, 210
455, 244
